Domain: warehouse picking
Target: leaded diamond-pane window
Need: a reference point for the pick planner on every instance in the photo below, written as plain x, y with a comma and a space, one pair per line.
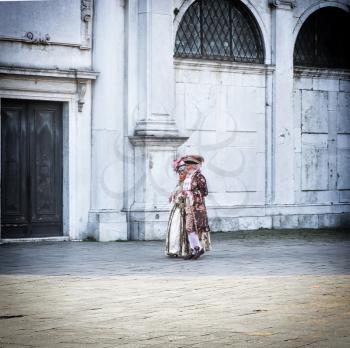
323, 40
219, 29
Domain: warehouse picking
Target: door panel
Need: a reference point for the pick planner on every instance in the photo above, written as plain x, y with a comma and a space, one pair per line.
39, 149
45, 164
14, 195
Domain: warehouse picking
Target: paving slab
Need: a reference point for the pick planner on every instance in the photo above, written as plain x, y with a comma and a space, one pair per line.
254, 289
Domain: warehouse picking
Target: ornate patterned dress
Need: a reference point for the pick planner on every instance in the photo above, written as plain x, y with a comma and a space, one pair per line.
176, 237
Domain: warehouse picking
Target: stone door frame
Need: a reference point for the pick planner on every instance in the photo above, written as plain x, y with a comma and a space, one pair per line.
69, 88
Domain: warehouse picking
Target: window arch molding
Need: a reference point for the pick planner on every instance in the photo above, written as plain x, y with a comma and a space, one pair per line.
314, 48
310, 10
253, 11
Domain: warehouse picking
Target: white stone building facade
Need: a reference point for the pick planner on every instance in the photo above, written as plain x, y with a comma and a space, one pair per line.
129, 96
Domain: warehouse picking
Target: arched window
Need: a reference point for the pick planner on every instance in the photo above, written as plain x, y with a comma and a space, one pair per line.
219, 29
323, 40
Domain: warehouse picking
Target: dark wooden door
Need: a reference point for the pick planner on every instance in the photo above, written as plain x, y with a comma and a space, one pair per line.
31, 169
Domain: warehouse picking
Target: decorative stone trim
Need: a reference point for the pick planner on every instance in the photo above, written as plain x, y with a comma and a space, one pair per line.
81, 90
37, 38
86, 12
86, 24
50, 43
283, 4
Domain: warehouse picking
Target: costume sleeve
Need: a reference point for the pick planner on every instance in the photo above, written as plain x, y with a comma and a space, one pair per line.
202, 185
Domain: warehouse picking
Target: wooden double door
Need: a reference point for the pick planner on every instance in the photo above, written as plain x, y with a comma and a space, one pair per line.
31, 169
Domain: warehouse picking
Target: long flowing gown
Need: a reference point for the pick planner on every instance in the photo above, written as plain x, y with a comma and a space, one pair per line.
176, 237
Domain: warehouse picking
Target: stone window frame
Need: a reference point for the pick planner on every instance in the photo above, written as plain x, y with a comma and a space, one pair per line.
302, 18
255, 19
317, 46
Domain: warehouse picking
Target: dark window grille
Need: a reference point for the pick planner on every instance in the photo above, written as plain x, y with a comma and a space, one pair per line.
323, 40
219, 29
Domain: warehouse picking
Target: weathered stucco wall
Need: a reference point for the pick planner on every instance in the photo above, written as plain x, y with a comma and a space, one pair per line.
322, 140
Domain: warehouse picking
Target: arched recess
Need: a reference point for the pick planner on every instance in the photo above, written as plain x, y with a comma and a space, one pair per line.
321, 36
321, 104
221, 104
220, 30
318, 5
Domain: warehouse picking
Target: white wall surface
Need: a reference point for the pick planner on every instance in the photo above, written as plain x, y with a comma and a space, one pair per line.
58, 18
223, 113
68, 41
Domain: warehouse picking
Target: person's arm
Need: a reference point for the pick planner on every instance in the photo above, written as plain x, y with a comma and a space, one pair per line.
202, 185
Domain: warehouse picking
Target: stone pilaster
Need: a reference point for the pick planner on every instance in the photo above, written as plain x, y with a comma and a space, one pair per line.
282, 111
106, 218
155, 69
154, 180
155, 138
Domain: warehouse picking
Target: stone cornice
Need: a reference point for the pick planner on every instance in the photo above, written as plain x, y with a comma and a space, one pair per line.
159, 126
55, 73
144, 140
47, 42
321, 72
199, 64
283, 4
78, 77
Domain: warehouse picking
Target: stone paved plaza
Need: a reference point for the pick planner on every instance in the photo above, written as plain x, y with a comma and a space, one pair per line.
254, 289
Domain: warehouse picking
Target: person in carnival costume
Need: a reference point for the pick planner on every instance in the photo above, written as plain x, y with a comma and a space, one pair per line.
195, 190
176, 237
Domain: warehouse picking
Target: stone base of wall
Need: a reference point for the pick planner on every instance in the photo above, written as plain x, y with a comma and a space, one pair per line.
280, 222
107, 226
151, 225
